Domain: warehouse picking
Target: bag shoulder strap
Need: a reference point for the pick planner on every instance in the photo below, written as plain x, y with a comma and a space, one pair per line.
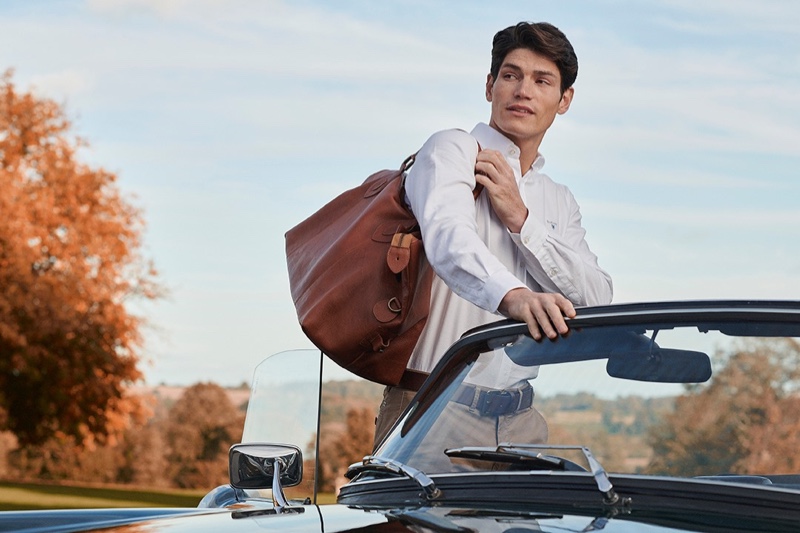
409, 161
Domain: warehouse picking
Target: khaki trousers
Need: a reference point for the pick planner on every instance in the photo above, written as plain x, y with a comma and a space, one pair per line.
458, 426
395, 400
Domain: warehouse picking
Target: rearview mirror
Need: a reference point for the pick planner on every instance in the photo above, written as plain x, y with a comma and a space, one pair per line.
662, 365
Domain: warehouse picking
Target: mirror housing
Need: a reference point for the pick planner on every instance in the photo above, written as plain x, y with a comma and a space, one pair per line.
661, 365
266, 466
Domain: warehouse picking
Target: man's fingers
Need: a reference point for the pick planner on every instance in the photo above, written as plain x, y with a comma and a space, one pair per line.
561, 308
558, 322
543, 313
492, 164
485, 169
549, 312
484, 181
533, 327
564, 306
551, 322
489, 155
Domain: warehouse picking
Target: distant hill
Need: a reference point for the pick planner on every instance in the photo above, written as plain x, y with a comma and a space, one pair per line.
169, 394
290, 415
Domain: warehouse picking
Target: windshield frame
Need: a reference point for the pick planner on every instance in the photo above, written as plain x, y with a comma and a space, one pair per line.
781, 317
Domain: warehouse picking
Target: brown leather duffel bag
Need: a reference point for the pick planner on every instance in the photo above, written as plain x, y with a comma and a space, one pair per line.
359, 279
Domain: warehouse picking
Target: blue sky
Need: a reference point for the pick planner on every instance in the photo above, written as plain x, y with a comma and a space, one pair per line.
229, 121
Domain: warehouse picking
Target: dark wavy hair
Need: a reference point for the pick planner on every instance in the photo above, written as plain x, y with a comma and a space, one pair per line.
541, 38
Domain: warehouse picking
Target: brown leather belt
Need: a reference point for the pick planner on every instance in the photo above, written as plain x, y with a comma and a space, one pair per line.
491, 402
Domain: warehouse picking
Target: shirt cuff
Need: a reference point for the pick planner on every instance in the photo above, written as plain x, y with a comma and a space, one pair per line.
532, 236
498, 285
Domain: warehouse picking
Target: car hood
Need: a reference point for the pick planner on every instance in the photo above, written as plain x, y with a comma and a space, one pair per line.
340, 519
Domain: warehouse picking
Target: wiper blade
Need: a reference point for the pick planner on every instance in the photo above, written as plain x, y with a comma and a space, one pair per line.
372, 463
524, 453
526, 458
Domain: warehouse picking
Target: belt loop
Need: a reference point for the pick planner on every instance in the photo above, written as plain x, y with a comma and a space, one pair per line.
476, 398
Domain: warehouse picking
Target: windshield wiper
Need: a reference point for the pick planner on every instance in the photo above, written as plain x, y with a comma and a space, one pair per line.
530, 454
533, 461
372, 463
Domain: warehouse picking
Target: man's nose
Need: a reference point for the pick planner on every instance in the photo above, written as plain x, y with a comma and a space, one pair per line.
524, 88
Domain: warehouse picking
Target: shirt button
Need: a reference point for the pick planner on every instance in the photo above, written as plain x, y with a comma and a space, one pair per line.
553, 272
512, 151
526, 239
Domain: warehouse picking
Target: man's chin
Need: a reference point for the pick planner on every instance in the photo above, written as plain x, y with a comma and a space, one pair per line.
516, 131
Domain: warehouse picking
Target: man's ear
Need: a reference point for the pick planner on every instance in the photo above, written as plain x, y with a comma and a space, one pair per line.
489, 85
566, 100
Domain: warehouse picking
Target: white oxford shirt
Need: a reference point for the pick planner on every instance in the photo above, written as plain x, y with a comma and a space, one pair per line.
476, 258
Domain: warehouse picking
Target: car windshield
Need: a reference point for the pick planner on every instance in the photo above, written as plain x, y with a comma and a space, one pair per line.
700, 395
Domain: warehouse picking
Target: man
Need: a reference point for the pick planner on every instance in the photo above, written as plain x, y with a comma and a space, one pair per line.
519, 249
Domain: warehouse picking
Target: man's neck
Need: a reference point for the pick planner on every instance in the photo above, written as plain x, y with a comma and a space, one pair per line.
528, 147
528, 153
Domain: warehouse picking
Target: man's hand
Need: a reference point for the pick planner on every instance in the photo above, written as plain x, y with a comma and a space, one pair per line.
543, 312
494, 173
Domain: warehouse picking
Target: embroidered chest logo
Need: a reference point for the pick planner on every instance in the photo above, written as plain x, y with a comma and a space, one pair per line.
553, 225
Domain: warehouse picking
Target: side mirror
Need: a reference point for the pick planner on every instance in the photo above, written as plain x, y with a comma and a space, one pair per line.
662, 365
266, 466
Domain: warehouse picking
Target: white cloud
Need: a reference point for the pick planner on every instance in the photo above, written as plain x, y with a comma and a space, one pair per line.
284, 39
740, 15
738, 94
68, 82
164, 8
729, 218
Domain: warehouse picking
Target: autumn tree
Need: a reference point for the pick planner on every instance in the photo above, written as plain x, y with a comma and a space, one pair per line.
746, 421
70, 261
136, 456
344, 444
199, 430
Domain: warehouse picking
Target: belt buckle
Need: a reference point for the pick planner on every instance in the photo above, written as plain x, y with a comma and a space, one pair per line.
497, 402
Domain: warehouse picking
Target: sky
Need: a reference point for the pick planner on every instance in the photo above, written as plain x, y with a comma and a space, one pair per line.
227, 122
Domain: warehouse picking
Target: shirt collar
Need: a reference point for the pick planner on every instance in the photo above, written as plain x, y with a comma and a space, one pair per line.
488, 137
538, 163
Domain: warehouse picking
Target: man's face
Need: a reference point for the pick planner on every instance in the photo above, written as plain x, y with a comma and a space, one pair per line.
526, 96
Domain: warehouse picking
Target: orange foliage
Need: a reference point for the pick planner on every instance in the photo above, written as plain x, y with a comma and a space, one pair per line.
343, 444
69, 261
745, 421
200, 428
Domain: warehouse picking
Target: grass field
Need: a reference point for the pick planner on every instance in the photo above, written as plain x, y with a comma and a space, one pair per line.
24, 496
34, 496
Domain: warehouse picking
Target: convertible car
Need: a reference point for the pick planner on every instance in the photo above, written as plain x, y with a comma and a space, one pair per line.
676, 416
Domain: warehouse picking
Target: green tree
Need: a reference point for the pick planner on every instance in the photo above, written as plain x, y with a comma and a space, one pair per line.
69, 263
